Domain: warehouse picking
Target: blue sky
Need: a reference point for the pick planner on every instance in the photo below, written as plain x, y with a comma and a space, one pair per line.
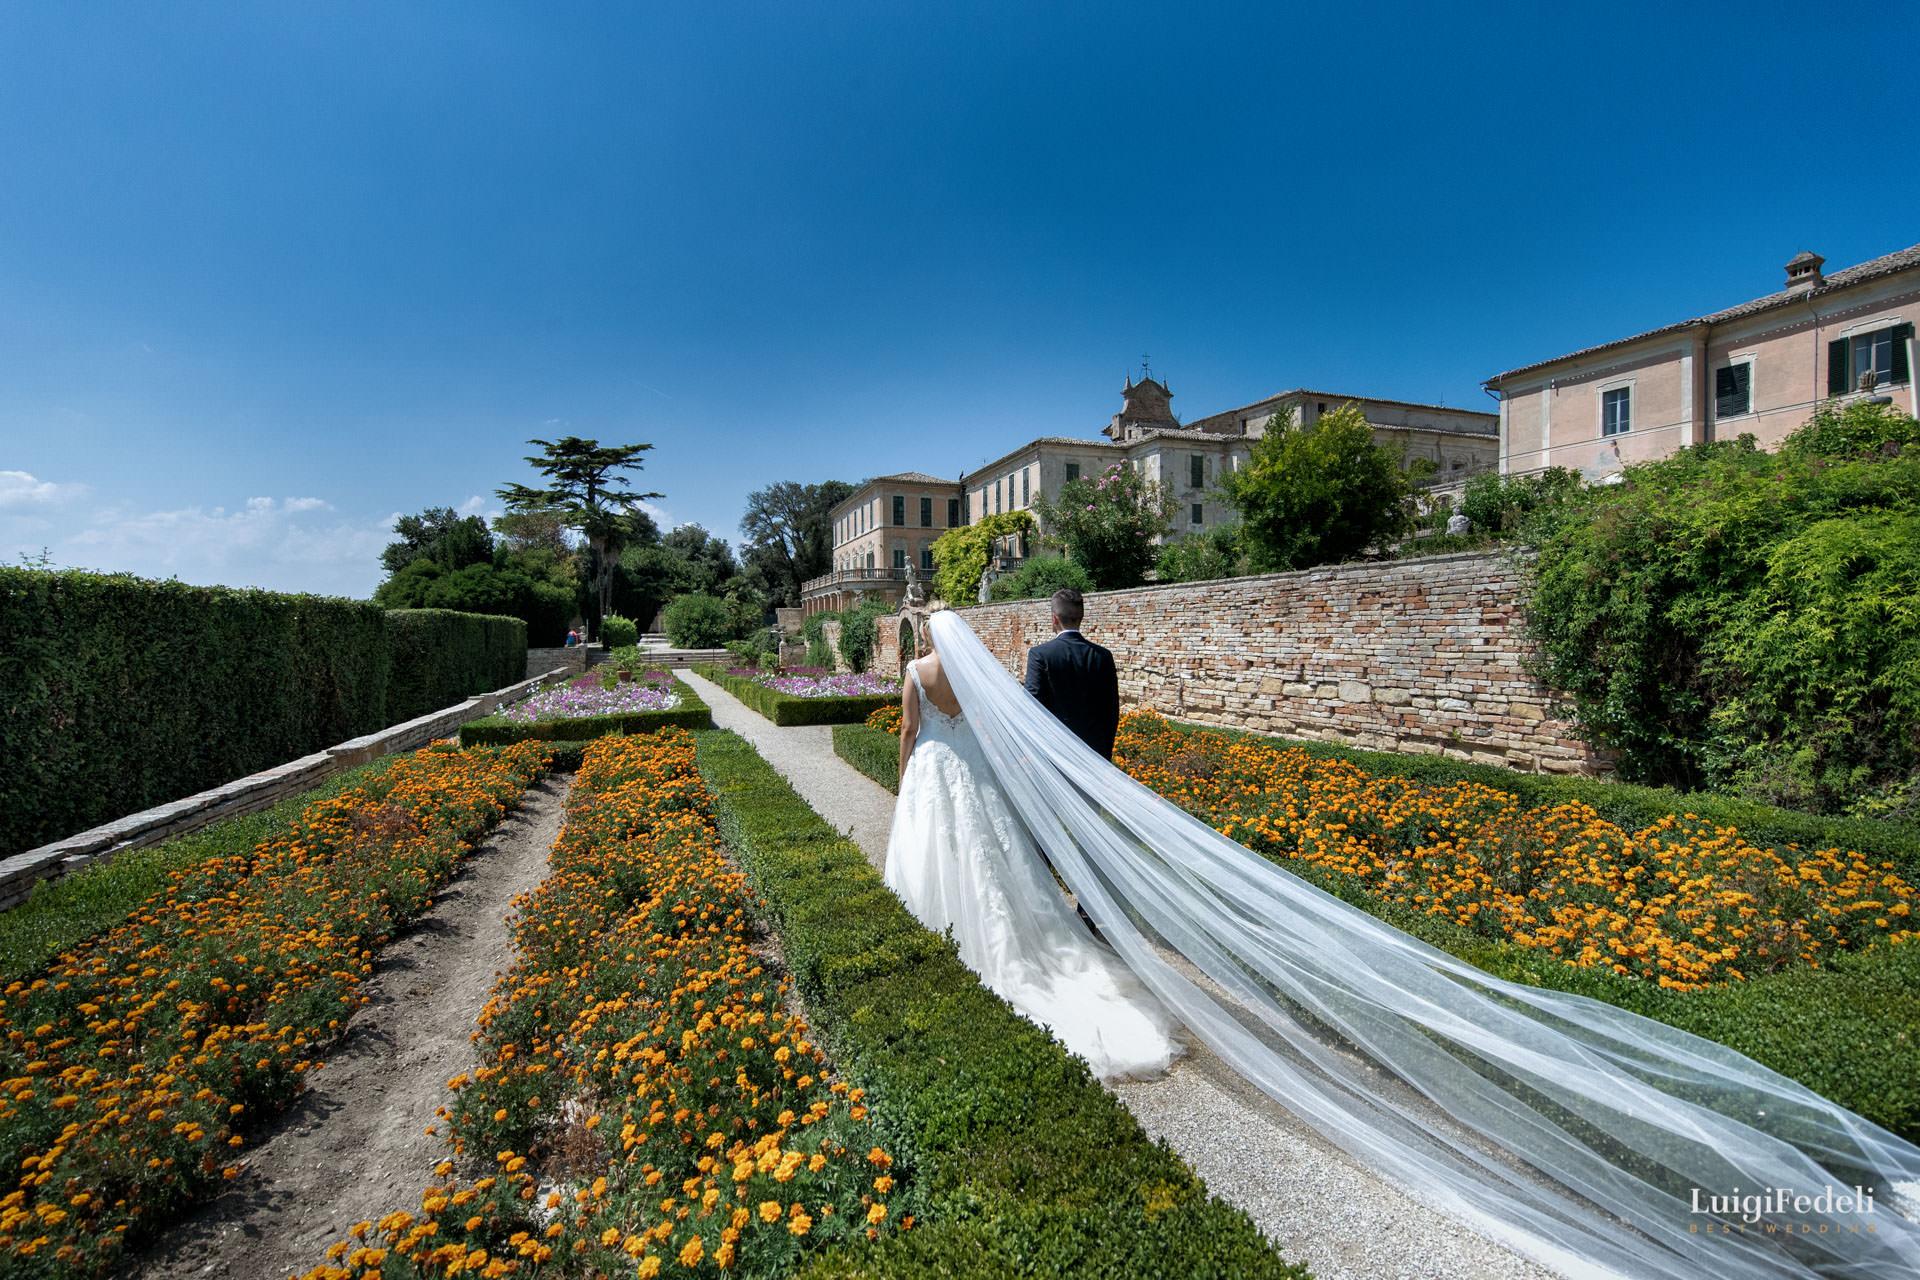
270, 274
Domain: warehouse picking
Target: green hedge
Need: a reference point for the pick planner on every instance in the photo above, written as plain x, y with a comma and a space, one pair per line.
1033, 1168
441, 657
494, 730
785, 709
119, 693
874, 752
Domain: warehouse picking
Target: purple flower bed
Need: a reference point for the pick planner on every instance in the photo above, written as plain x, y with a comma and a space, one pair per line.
588, 696
793, 684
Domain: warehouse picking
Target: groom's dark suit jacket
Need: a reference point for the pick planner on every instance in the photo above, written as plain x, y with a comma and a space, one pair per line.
1075, 679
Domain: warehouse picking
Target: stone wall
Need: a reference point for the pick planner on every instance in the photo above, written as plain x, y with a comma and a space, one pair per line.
1424, 656
566, 658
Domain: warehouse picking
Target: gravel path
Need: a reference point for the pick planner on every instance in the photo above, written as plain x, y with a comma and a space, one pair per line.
354, 1147
851, 801
1311, 1199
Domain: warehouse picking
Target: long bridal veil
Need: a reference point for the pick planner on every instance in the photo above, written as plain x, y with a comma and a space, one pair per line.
1592, 1139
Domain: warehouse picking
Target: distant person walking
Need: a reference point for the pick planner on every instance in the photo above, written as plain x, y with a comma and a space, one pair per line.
573, 637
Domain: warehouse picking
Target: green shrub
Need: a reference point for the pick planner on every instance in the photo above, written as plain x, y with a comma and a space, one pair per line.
1318, 494
441, 657
696, 621
1041, 577
1500, 505
960, 555
497, 730
1731, 618
814, 631
1203, 557
616, 631
874, 752
1033, 1168
1108, 524
858, 633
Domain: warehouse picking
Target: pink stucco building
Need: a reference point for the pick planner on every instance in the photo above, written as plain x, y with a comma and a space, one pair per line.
1759, 368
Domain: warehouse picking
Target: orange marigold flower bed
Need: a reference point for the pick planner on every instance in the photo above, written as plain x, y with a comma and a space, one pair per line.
132, 1067
886, 719
648, 1102
1682, 903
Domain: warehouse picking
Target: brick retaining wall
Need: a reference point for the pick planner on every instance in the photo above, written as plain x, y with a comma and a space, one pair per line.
1425, 656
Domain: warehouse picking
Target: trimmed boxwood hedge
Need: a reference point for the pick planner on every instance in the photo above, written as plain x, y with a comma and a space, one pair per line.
494, 730
785, 709
1849, 1030
441, 656
118, 693
874, 752
1032, 1168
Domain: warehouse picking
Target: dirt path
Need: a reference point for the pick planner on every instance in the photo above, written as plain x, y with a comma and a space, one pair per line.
353, 1147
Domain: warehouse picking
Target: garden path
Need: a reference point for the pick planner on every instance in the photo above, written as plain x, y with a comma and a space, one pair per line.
355, 1147
1316, 1203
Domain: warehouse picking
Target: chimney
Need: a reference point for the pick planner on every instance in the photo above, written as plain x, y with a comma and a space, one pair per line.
1803, 272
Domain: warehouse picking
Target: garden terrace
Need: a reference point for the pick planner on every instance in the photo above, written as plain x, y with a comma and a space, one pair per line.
592, 705
643, 1061
127, 1085
801, 696
1771, 937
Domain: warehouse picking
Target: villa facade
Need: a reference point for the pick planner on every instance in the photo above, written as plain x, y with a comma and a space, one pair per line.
1759, 368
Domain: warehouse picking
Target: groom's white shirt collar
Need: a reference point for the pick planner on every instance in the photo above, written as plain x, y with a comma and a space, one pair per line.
1067, 631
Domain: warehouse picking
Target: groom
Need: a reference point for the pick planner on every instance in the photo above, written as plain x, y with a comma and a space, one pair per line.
1075, 678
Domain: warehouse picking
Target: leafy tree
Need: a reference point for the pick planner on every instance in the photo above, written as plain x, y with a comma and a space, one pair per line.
1728, 617
859, 632
1042, 576
1202, 557
545, 605
1108, 524
697, 621
789, 535
1322, 494
441, 535
586, 489
960, 555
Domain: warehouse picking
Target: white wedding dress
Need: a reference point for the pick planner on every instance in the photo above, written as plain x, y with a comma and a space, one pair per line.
962, 860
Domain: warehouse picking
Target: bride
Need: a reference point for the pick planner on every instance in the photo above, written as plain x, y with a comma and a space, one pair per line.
1595, 1141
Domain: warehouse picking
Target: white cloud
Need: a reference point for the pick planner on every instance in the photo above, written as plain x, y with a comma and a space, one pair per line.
287, 544
22, 489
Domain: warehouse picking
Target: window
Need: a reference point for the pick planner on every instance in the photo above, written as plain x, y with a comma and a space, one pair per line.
1868, 360
953, 513
1197, 472
1026, 486
1616, 411
1073, 471
1733, 390
926, 557
1199, 513
996, 498
900, 558
926, 513
899, 510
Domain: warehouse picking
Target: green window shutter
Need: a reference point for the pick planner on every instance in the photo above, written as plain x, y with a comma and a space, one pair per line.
1901, 334
1837, 367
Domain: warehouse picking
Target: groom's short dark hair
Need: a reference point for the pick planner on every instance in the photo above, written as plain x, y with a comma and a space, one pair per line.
1069, 606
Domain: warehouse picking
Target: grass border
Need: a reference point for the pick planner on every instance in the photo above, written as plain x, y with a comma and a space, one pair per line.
1031, 1167
496, 730
786, 710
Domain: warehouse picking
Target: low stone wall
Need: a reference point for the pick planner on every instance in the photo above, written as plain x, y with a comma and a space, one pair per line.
1425, 656
570, 658
19, 873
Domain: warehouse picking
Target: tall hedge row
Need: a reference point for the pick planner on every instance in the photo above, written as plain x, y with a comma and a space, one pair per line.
441, 656
118, 693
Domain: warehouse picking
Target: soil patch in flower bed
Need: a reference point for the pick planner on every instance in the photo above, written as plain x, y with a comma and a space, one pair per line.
359, 1141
